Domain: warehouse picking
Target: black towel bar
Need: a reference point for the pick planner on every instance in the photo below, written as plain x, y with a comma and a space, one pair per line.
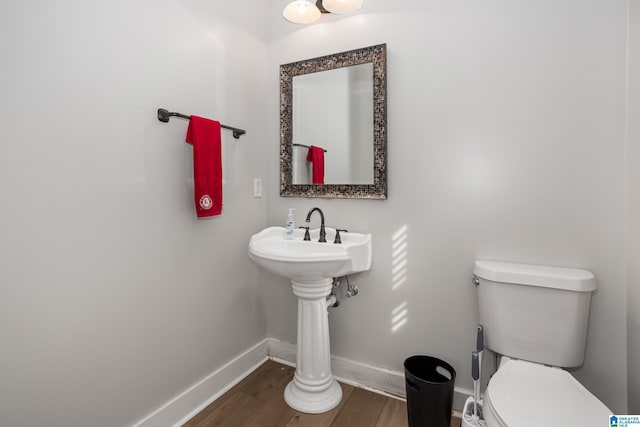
305, 146
164, 115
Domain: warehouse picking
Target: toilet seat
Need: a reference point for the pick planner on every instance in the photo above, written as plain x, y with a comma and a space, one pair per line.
526, 394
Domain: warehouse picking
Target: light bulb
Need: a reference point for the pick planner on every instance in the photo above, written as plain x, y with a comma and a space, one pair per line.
342, 6
301, 12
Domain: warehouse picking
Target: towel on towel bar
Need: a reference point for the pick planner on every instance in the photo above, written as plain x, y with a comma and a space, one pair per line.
204, 135
315, 155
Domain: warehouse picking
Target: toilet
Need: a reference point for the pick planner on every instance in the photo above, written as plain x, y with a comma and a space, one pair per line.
535, 318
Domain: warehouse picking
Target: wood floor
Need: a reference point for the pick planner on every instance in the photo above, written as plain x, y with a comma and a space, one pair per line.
258, 401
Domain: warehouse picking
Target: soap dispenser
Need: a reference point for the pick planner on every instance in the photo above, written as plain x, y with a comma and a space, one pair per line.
288, 234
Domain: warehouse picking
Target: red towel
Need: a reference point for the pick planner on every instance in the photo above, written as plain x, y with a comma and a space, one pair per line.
315, 155
204, 135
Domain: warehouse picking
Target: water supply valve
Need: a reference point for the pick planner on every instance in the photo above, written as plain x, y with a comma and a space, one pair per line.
352, 290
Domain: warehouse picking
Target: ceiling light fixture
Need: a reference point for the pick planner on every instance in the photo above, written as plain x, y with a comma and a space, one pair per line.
342, 6
301, 12
306, 12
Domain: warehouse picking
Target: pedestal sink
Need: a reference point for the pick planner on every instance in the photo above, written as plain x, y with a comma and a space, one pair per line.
311, 266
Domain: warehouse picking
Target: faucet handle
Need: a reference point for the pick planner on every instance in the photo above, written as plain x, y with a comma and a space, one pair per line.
337, 239
306, 233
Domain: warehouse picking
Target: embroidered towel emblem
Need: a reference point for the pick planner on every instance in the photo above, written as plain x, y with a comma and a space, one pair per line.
206, 202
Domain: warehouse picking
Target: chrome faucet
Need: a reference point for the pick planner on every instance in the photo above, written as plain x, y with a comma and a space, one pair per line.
323, 233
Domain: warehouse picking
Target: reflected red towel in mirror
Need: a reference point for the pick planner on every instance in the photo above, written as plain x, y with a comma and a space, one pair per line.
315, 155
204, 135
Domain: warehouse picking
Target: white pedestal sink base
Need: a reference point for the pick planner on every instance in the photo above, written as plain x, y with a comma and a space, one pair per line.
313, 402
313, 389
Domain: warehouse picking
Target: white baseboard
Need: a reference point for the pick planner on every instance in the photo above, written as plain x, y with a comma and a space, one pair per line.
193, 400
350, 372
187, 404
372, 378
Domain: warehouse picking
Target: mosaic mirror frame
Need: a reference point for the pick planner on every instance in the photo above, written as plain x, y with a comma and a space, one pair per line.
378, 190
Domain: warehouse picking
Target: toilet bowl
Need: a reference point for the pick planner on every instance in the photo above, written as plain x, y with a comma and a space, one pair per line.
526, 394
535, 317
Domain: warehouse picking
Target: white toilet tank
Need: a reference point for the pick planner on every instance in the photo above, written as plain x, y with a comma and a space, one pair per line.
534, 312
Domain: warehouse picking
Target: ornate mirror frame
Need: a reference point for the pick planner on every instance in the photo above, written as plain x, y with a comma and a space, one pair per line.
378, 190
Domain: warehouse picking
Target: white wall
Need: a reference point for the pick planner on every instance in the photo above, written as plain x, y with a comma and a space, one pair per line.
506, 141
113, 296
633, 177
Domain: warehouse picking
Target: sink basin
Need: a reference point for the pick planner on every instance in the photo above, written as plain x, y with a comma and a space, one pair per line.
307, 261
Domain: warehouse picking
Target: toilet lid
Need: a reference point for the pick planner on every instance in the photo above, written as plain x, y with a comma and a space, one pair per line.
525, 394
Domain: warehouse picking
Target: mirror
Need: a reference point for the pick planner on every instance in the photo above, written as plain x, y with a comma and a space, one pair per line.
344, 98
336, 103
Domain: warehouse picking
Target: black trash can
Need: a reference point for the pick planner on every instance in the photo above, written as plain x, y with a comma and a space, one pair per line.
429, 383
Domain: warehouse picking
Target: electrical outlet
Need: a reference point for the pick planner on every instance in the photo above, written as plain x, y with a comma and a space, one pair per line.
257, 187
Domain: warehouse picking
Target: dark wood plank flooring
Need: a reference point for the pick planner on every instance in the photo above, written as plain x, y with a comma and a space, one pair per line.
258, 400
